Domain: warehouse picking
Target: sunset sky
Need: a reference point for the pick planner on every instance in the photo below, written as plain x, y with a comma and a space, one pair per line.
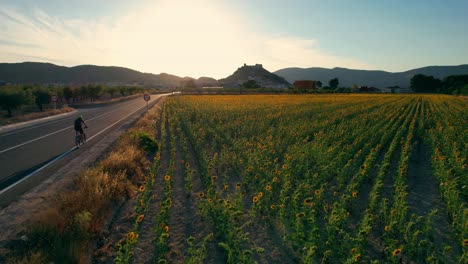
212, 38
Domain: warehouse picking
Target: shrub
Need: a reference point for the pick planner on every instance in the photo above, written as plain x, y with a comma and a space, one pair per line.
147, 142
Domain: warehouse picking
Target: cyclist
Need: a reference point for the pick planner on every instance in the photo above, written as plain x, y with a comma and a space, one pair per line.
79, 128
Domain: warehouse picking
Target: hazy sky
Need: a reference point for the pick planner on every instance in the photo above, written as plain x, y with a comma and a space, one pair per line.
213, 37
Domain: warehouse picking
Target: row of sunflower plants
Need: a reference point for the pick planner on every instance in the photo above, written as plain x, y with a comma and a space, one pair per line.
372, 218
448, 158
161, 227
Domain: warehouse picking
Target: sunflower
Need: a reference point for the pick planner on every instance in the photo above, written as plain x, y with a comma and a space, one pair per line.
386, 228
167, 177
142, 188
301, 214
140, 218
238, 185
260, 195
355, 194
396, 252
214, 177
357, 257
272, 207
215, 154
307, 201
317, 192
275, 179
353, 250
268, 188
284, 166
131, 236
166, 229
187, 164
465, 242
210, 200
225, 187
255, 199
201, 194
250, 168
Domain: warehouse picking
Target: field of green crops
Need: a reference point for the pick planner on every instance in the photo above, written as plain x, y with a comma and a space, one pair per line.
305, 179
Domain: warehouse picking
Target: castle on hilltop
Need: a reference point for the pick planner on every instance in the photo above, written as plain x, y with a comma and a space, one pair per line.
260, 66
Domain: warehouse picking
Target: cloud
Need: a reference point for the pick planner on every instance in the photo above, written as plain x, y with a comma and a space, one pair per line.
178, 37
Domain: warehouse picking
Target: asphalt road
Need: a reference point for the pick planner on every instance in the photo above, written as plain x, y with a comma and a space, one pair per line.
24, 150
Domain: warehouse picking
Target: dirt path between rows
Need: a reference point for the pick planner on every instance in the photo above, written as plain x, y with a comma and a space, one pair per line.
424, 197
144, 249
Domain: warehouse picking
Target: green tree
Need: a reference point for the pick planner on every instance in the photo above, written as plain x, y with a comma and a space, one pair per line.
95, 92
421, 83
333, 83
123, 91
190, 83
250, 84
11, 98
318, 84
42, 96
111, 91
67, 93
453, 84
84, 92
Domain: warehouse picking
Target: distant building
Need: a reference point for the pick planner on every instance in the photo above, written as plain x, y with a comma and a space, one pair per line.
305, 84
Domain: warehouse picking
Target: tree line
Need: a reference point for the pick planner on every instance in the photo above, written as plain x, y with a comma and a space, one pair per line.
14, 97
454, 84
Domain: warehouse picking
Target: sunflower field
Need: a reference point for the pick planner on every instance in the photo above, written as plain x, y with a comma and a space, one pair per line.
305, 179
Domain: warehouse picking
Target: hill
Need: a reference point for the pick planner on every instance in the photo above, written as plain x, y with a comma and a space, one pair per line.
380, 79
255, 72
47, 73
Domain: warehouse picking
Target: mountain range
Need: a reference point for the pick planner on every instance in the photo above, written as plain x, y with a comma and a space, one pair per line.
379, 79
47, 73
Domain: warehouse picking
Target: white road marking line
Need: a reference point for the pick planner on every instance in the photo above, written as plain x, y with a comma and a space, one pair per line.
64, 154
116, 122
38, 170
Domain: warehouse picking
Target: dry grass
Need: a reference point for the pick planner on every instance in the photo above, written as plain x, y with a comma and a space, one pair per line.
33, 258
130, 159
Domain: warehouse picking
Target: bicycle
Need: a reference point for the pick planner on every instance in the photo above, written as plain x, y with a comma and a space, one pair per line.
80, 138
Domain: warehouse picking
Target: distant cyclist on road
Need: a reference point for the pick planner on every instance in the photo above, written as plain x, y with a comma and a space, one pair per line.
79, 128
